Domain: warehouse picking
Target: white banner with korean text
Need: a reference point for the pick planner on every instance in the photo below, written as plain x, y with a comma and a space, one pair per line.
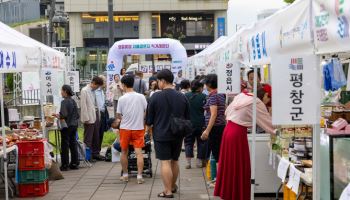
296, 89
228, 71
331, 25
72, 79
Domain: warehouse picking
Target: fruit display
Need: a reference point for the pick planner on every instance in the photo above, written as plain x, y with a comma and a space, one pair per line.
17, 135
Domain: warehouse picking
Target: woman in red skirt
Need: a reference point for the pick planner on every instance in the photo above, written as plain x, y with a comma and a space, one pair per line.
233, 178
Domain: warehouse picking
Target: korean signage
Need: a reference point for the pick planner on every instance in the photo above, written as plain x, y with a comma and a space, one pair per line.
331, 25
72, 79
221, 26
295, 84
228, 74
49, 82
257, 46
8, 60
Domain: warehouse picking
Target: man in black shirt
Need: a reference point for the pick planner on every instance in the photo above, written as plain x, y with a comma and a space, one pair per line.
167, 145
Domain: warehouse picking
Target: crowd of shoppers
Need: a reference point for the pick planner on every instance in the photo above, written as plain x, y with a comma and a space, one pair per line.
218, 132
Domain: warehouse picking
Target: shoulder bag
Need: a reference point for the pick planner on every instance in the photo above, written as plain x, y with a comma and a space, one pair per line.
179, 126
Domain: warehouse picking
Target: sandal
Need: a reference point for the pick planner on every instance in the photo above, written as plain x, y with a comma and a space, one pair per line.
175, 189
163, 195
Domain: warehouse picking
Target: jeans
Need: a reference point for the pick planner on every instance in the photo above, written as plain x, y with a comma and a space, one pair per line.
201, 145
69, 142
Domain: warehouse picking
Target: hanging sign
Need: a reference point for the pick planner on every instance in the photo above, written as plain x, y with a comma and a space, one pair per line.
282, 170
72, 79
228, 74
294, 179
331, 25
49, 82
296, 89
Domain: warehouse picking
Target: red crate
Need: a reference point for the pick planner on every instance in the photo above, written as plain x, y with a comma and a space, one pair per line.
33, 190
31, 147
31, 162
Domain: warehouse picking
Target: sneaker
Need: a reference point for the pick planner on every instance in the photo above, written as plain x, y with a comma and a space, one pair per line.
199, 163
64, 168
140, 180
124, 179
99, 158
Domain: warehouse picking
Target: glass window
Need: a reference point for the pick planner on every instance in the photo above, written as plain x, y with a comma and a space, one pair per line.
199, 28
88, 30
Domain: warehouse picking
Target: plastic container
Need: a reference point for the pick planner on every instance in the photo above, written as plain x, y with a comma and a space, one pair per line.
212, 168
31, 163
31, 147
33, 190
88, 153
32, 176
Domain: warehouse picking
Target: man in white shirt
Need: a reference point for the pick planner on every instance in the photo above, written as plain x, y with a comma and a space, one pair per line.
90, 115
131, 114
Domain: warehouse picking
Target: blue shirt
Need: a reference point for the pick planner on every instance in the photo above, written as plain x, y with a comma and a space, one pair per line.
100, 98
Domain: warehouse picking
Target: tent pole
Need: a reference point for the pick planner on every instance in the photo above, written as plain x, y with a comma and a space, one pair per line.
252, 156
43, 124
4, 135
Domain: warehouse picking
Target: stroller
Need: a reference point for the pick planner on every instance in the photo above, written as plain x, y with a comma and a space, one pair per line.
147, 158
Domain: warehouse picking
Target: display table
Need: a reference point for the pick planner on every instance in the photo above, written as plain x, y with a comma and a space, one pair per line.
305, 180
57, 133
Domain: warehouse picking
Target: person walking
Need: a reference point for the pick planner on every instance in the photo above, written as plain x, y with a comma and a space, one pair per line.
167, 145
90, 116
214, 117
130, 115
197, 101
234, 173
117, 91
140, 85
101, 104
68, 116
185, 86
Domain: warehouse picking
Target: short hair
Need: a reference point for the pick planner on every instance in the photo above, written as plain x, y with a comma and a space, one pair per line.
128, 81
195, 85
252, 71
138, 73
166, 75
97, 80
68, 90
211, 81
185, 84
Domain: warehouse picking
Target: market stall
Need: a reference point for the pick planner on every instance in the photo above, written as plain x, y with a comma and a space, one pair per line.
19, 53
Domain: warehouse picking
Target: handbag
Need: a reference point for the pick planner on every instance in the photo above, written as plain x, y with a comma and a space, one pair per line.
179, 126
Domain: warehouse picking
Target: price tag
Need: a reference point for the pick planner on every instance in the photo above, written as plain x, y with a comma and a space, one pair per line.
283, 169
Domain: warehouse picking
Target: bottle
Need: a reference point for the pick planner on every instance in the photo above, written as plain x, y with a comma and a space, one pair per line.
212, 168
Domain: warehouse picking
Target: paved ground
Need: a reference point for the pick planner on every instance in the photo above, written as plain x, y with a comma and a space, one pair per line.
101, 182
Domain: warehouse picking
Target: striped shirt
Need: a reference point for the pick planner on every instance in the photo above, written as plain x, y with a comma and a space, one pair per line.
218, 100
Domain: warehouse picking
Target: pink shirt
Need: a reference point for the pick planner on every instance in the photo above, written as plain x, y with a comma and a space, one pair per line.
240, 111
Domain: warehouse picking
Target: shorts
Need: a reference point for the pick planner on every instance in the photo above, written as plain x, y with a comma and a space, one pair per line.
132, 137
168, 150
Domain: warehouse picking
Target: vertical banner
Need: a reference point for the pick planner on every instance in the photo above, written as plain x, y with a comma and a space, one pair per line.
295, 89
221, 26
49, 82
229, 81
72, 79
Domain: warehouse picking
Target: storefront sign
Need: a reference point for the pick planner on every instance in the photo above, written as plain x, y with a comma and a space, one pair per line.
331, 25
221, 26
295, 89
72, 79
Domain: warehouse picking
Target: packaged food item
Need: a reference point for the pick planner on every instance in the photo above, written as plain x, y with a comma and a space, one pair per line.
339, 124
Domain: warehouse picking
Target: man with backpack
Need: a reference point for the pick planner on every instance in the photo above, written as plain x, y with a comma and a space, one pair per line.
140, 85
163, 108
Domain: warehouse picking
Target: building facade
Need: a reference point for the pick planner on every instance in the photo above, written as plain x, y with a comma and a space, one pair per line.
196, 23
17, 11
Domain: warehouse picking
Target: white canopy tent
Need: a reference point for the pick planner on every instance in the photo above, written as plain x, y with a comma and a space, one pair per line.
19, 53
